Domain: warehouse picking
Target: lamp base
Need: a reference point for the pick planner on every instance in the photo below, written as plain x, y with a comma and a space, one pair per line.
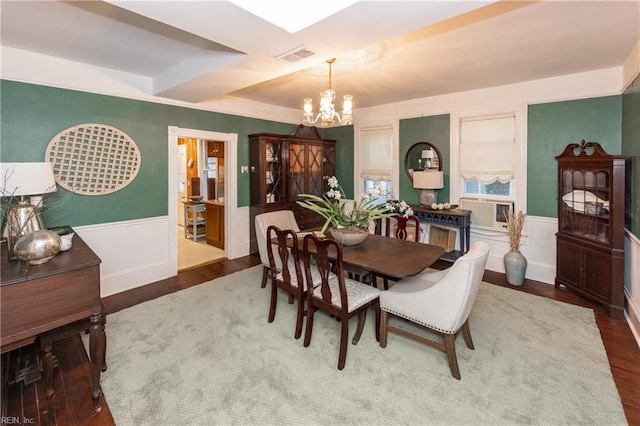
428, 197
21, 219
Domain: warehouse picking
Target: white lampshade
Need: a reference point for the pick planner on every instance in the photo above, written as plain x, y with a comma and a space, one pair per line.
428, 180
427, 153
17, 179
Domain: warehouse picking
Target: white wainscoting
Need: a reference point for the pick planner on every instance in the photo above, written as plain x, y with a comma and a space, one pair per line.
137, 252
632, 282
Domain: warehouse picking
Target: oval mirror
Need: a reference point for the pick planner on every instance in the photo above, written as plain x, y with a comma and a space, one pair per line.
422, 156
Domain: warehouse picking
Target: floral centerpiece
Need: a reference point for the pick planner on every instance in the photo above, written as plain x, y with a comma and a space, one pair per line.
340, 214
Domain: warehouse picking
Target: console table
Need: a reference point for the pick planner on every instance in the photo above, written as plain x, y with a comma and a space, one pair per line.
458, 218
40, 298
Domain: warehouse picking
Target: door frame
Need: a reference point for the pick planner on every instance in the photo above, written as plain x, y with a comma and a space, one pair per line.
230, 184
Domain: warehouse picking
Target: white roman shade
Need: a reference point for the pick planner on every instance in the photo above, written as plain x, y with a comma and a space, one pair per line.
487, 148
376, 153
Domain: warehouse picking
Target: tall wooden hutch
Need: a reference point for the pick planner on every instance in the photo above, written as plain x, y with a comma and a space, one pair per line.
590, 238
284, 166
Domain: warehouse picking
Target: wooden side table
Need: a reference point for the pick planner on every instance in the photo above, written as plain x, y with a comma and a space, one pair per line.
42, 298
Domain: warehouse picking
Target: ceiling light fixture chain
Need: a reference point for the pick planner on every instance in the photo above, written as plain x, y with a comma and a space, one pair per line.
327, 114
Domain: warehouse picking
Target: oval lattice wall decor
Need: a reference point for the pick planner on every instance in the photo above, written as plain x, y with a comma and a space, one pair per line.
93, 159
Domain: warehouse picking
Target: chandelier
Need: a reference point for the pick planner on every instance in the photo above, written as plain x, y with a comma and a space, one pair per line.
328, 114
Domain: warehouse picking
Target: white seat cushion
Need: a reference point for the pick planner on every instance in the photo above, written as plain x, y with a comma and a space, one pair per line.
315, 275
358, 293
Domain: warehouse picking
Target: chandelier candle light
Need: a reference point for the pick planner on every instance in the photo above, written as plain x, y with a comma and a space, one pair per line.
328, 114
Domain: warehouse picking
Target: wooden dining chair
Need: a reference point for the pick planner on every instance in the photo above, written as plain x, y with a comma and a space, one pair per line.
401, 232
286, 273
337, 295
402, 227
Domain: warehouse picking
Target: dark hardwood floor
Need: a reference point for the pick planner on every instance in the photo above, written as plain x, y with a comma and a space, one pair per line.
71, 404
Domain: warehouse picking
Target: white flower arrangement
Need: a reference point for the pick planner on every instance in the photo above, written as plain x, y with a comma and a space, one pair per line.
342, 215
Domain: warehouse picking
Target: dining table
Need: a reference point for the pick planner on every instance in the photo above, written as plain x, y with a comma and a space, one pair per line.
384, 256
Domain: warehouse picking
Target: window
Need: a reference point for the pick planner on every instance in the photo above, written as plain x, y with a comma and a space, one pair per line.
376, 159
487, 146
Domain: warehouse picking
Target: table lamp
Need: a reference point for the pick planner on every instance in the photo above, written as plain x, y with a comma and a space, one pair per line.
427, 158
22, 180
428, 182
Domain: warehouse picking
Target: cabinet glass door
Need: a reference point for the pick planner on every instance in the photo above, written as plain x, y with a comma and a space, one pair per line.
585, 203
305, 170
314, 166
274, 173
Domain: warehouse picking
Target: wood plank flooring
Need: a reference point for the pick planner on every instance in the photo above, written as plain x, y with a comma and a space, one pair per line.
71, 404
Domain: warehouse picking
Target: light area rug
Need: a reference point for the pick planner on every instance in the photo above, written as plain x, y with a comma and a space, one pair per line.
207, 356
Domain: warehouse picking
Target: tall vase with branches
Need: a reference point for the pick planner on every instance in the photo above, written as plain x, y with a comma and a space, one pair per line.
515, 264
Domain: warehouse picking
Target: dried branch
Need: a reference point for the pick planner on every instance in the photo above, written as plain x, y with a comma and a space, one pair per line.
515, 223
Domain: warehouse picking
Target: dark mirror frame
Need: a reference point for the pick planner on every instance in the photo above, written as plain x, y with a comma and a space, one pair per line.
418, 147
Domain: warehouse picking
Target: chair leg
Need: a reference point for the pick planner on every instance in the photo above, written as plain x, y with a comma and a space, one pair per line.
383, 329
299, 318
265, 273
361, 319
377, 313
450, 349
309, 329
344, 336
274, 301
466, 333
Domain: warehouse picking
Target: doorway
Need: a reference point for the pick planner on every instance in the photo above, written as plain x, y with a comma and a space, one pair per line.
229, 142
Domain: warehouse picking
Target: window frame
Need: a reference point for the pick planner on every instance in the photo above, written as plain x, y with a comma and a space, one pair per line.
358, 180
519, 181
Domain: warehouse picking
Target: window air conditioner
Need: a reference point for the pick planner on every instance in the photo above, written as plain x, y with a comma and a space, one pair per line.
487, 213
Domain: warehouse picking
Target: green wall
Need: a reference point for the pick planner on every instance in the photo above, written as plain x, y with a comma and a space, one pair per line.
433, 129
31, 115
631, 149
344, 155
551, 127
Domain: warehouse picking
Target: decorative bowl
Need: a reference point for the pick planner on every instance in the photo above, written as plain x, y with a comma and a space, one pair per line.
351, 236
37, 247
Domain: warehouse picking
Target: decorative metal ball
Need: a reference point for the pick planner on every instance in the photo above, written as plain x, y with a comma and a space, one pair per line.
38, 247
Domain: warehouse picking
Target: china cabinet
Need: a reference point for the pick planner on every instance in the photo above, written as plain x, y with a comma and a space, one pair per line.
284, 166
590, 238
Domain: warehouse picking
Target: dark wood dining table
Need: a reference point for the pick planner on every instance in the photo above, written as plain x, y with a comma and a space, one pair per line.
384, 256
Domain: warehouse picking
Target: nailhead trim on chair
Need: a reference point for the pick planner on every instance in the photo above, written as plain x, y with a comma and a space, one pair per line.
419, 322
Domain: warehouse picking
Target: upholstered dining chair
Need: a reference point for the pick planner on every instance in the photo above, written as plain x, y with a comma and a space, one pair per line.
286, 273
337, 295
400, 231
438, 300
283, 219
